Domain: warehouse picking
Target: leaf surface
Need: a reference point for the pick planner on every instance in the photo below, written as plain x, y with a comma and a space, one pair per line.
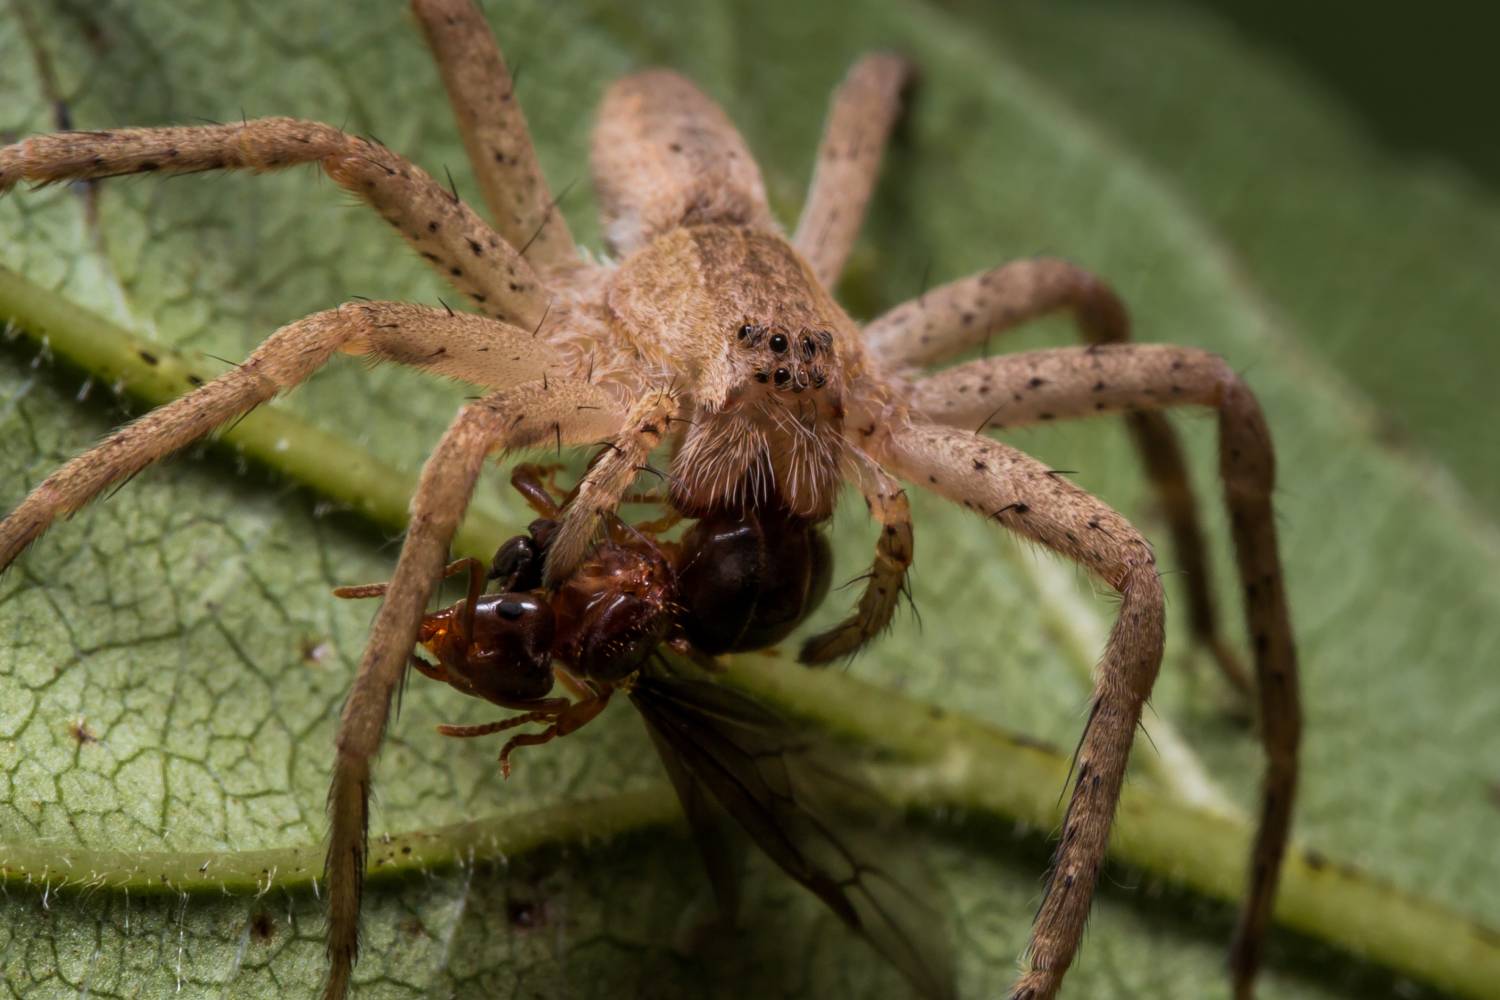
173, 664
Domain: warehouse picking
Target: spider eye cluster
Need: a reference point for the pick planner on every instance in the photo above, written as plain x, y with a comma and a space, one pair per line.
791, 362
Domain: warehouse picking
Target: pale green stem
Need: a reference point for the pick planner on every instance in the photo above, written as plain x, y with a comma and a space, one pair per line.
155, 374
54, 868
952, 763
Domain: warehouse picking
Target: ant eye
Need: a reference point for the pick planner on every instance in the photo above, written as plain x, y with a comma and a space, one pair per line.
779, 345
782, 375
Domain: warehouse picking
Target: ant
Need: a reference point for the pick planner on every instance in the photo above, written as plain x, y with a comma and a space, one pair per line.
736, 581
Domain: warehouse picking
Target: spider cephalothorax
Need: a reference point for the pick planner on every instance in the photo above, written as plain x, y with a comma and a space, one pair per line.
716, 337
767, 351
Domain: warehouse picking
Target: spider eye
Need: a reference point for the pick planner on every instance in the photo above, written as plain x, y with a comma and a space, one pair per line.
762, 377
808, 347
782, 375
746, 331
779, 345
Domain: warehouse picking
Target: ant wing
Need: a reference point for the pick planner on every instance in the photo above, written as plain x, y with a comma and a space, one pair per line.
772, 779
706, 821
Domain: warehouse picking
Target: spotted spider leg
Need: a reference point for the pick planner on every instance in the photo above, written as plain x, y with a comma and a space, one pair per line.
1067, 383
494, 132
540, 411
445, 231
967, 313
1025, 496
864, 109
479, 350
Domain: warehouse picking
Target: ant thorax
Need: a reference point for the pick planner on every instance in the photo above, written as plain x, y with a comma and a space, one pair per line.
767, 352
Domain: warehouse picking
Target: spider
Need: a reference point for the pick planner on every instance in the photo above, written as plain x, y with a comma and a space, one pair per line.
712, 335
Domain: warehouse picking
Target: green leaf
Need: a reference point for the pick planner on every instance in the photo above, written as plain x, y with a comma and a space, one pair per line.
174, 664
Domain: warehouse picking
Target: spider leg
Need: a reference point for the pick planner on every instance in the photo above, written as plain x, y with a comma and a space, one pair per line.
966, 313
445, 231
494, 131
893, 555
864, 109
427, 338
606, 482
356, 591
526, 415
665, 156
1023, 495
1075, 382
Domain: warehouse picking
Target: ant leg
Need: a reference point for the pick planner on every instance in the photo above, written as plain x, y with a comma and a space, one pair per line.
378, 589
666, 522
547, 715
526, 479
478, 575
571, 719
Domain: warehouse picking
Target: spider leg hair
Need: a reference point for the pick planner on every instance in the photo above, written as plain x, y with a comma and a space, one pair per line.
519, 417
967, 313
1067, 383
447, 233
494, 131
394, 331
607, 481
865, 108
1024, 496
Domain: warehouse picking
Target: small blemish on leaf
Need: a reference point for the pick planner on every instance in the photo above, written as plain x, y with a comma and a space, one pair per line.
262, 927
